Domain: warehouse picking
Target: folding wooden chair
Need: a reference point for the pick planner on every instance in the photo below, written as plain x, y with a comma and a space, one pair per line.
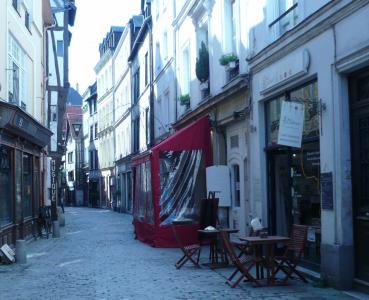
188, 251
288, 262
243, 264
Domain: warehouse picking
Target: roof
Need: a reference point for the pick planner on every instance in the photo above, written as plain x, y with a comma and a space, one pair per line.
74, 98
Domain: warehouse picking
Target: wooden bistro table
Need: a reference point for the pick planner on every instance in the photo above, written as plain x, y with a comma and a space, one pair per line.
269, 243
214, 260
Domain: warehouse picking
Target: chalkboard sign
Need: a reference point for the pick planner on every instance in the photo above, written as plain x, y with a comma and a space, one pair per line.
326, 184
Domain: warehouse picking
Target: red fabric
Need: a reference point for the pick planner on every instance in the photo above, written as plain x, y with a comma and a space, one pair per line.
195, 136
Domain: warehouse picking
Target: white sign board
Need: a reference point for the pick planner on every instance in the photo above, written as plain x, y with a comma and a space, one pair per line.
291, 124
8, 252
218, 179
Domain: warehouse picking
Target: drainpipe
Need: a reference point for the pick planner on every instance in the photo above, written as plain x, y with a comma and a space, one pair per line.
152, 112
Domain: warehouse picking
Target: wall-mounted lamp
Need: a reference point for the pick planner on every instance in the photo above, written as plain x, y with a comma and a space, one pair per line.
77, 128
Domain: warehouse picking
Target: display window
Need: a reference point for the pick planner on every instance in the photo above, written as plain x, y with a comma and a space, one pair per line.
294, 173
6, 185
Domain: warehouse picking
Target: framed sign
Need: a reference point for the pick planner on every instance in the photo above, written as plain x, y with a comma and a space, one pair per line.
291, 124
326, 186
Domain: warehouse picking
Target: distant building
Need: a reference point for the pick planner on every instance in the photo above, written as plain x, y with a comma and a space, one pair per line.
105, 110
91, 168
74, 156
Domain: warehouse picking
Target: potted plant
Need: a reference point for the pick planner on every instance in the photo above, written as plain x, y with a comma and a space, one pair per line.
184, 99
228, 60
202, 67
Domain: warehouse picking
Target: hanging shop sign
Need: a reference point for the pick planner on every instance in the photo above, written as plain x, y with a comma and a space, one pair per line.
291, 124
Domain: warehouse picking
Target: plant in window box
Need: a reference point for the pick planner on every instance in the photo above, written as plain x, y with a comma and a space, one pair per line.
184, 100
228, 60
202, 67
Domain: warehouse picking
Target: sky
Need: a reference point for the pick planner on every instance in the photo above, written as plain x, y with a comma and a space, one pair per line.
93, 21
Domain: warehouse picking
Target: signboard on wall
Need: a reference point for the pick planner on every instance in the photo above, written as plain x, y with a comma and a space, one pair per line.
291, 124
53, 180
326, 187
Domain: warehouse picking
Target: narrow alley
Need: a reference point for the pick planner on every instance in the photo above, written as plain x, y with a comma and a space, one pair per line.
97, 257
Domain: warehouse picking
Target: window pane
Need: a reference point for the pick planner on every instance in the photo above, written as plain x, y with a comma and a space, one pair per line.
6, 185
27, 185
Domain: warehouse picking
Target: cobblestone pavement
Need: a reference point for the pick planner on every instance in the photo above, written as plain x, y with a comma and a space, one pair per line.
98, 258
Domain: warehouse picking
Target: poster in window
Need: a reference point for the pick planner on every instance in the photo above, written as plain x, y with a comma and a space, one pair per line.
291, 124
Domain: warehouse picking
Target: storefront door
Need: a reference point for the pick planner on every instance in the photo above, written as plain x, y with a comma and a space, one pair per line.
359, 94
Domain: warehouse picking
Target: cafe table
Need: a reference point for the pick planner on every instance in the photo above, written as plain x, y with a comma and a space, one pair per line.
269, 242
215, 260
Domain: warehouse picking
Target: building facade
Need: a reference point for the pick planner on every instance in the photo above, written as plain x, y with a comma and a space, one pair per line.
24, 134
105, 105
91, 147
319, 183
122, 200
74, 156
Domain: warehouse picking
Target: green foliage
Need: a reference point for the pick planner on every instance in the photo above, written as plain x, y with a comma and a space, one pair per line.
184, 99
227, 58
202, 64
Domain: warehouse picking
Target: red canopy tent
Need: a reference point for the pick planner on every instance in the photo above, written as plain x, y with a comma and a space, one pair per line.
169, 181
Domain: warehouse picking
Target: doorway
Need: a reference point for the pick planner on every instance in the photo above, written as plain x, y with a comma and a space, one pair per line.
359, 114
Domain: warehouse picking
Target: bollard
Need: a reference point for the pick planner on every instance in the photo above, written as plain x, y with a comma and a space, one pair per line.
61, 217
56, 229
20, 251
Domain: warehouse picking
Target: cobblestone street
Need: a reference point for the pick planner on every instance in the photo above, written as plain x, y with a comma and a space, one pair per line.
98, 258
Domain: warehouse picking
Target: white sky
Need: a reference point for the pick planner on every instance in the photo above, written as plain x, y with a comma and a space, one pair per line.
93, 21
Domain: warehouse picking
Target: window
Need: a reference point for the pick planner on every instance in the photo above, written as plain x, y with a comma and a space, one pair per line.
6, 185
282, 15
236, 185
234, 141
234, 28
96, 131
91, 133
26, 20
136, 134
71, 176
185, 71
147, 125
95, 106
27, 185
70, 157
16, 73
146, 69
15, 4
136, 86
96, 166
60, 48
53, 113
165, 45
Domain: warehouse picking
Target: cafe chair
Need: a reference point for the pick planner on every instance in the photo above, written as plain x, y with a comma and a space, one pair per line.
243, 264
288, 262
188, 251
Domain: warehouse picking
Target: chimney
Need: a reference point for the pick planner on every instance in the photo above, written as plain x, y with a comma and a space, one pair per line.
77, 87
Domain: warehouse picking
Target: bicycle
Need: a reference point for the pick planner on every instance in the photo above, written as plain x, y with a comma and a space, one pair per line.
44, 221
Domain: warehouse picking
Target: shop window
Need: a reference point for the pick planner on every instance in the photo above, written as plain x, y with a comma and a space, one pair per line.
6, 185
308, 95
236, 185
294, 173
27, 185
